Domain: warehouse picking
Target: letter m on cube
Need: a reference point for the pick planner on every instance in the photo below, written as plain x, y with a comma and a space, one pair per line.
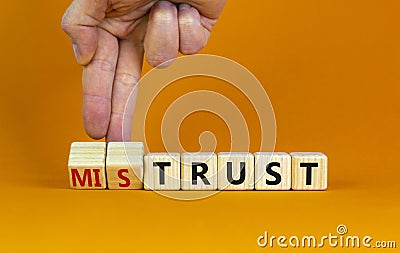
87, 177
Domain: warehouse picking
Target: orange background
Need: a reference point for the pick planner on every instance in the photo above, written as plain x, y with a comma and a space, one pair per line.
332, 71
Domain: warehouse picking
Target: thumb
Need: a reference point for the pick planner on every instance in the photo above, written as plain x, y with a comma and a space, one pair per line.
80, 23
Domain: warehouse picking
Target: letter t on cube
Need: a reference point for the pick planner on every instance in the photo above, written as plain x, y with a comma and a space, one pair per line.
309, 171
162, 171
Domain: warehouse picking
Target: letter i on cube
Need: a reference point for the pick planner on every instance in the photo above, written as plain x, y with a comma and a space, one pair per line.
86, 165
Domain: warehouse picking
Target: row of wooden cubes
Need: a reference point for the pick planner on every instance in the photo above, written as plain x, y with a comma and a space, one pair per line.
123, 165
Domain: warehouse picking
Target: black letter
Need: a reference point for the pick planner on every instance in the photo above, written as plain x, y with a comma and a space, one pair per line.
273, 173
162, 165
309, 167
196, 174
242, 173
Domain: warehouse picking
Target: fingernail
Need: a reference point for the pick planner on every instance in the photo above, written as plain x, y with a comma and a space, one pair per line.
164, 4
76, 51
184, 7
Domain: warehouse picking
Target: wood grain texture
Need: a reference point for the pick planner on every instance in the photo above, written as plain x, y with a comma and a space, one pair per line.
125, 145
162, 171
124, 165
272, 171
86, 165
309, 171
124, 174
87, 175
88, 145
199, 171
235, 171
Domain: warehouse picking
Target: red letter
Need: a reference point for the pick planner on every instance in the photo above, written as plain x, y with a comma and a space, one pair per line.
97, 177
82, 181
127, 181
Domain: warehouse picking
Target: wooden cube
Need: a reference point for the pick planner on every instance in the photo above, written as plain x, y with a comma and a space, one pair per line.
273, 171
86, 168
199, 171
87, 174
309, 171
162, 171
124, 165
235, 171
124, 173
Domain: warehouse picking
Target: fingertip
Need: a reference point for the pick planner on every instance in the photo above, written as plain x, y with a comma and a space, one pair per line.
120, 129
84, 41
193, 36
163, 4
94, 130
163, 12
85, 48
82, 59
160, 62
96, 116
191, 48
83, 56
95, 136
184, 7
115, 131
161, 42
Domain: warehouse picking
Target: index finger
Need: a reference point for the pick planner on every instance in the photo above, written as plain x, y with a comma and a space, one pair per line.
97, 80
127, 75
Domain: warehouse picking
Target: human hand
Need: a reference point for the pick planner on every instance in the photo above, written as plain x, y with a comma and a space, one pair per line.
109, 38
